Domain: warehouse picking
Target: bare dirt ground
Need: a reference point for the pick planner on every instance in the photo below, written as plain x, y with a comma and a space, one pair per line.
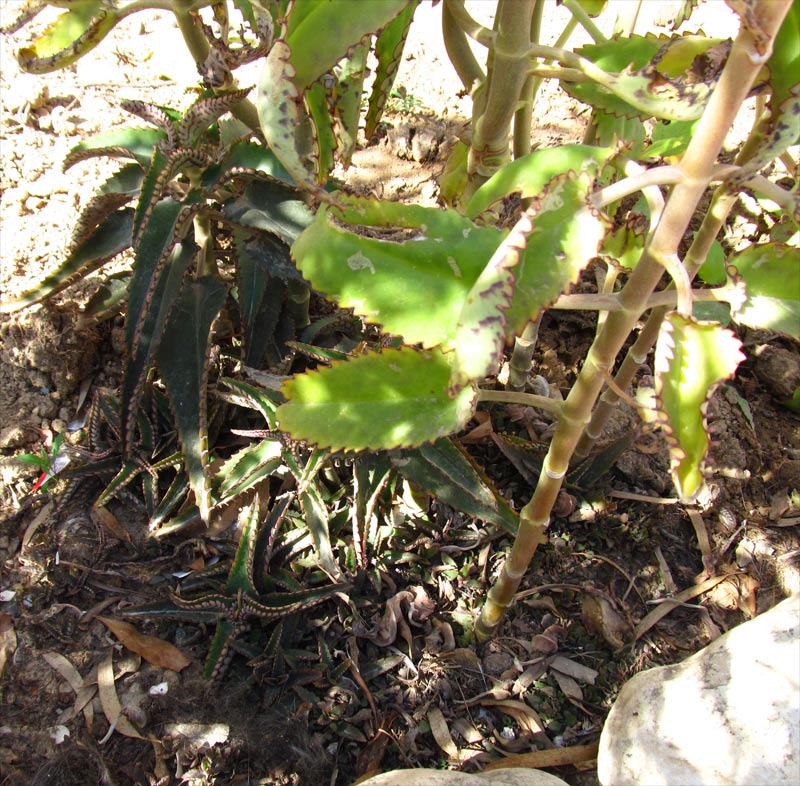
422, 699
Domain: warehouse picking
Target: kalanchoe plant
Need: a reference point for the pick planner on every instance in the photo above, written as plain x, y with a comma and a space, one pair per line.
458, 289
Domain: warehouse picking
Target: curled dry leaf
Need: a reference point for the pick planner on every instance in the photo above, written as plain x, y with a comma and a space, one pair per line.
109, 701
547, 641
154, 650
604, 621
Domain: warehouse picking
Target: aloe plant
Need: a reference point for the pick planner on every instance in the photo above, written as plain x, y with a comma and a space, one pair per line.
202, 192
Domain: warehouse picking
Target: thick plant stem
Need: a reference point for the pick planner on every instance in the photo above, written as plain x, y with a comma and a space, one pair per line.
458, 50
522, 357
745, 61
507, 74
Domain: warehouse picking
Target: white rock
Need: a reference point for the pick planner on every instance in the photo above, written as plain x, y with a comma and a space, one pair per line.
511, 776
730, 714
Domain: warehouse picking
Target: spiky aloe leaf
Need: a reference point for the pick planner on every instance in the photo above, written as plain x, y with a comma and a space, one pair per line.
157, 116
389, 47
76, 32
529, 175
110, 238
205, 111
240, 576
96, 211
378, 401
158, 270
246, 469
772, 275
318, 102
136, 143
443, 255
315, 512
107, 299
448, 472
181, 358
691, 359
253, 397
371, 473
271, 206
347, 93
261, 291
646, 75
126, 474
245, 158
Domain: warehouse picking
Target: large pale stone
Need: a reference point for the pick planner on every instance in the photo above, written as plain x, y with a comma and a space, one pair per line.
730, 714
502, 777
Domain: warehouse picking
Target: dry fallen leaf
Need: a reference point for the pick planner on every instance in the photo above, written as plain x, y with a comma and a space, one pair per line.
109, 701
154, 650
110, 523
8, 639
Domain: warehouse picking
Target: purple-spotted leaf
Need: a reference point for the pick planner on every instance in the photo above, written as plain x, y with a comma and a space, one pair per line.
567, 232
440, 251
692, 358
771, 272
279, 104
395, 398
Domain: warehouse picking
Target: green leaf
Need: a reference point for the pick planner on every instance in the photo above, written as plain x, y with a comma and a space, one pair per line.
712, 271
448, 472
347, 94
567, 232
318, 99
443, 257
279, 103
529, 175
624, 243
670, 138
261, 259
76, 32
691, 359
645, 75
246, 469
109, 239
182, 361
240, 576
158, 270
389, 47
271, 206
377, 401
137, 143
247, 157
329, 30
772, 275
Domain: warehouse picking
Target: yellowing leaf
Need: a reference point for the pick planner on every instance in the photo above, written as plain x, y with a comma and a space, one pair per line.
154, 650
692, 358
